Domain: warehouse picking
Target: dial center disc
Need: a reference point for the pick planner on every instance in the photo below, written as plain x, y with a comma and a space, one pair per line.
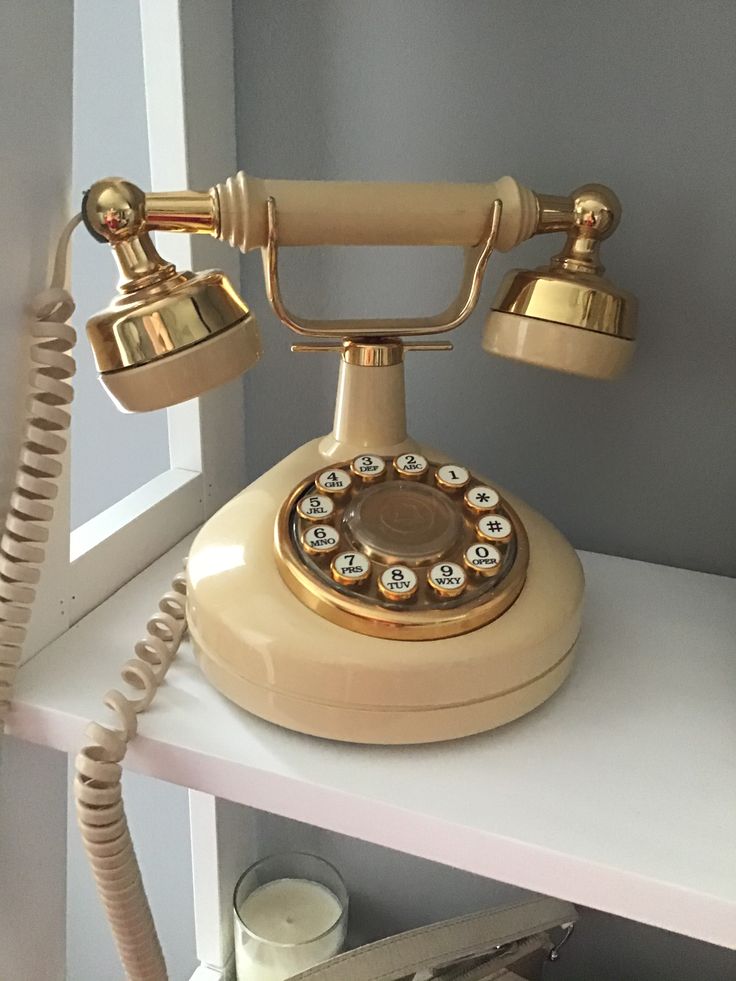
414, 521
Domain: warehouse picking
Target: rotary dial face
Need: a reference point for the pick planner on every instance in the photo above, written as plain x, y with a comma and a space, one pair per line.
401, 547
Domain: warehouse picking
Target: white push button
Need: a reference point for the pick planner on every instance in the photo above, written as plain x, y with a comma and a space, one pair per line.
495, 528
333, 482
368, 467
484, 559
447, 579
452, 477
481, 498
320, 539
315, 507
410, 465
350, 568
398, 582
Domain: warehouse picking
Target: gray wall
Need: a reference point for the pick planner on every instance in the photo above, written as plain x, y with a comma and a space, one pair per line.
637, 95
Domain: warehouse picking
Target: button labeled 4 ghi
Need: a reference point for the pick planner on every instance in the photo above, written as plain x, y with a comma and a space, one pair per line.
447, 579
333, 482
398, 582
350, 568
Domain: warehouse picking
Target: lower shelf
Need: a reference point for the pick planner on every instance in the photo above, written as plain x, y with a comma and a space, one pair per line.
391, 892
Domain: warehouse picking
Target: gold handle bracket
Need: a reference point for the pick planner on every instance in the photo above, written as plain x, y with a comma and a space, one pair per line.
476, 260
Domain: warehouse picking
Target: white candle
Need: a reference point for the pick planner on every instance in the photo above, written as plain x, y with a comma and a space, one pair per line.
289, 929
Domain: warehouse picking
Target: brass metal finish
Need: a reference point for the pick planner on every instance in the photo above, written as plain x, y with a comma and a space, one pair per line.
158, 311
194, 212
380, 353
476, 260
429, 616
179, 310
571, 290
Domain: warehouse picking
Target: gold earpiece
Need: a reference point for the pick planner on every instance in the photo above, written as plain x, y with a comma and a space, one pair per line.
567, 316
168, 336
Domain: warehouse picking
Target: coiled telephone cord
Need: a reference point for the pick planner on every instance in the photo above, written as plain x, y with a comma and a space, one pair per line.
22, 547
22, 551
98, 793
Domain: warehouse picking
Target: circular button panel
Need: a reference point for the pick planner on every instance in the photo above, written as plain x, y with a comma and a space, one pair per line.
401, 547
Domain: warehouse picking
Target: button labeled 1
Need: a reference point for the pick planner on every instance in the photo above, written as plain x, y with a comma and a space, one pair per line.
314, 507
484, 559
452, 477
320, 539
447, 579
350, 568
495, 528
368, 467
398, 582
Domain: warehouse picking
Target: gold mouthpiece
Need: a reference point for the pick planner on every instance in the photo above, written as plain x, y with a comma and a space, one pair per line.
168, 336
567, 315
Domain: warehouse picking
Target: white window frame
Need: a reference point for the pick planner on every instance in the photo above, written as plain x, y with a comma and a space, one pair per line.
190, 103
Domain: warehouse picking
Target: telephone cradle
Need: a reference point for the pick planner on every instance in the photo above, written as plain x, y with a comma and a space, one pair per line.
373, 667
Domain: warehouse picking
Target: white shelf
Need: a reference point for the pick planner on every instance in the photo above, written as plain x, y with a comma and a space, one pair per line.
619, 793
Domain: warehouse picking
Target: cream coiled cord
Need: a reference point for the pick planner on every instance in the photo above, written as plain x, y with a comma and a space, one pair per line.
98, 793
97, 786
22, 547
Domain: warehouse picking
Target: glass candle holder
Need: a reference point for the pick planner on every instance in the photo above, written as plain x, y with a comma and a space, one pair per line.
291, 913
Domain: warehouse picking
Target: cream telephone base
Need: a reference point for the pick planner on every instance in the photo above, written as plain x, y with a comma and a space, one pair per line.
267, 651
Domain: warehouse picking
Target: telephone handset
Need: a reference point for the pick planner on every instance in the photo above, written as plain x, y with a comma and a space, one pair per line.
366, 588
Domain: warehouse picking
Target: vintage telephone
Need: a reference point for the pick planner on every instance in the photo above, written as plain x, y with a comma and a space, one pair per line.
366, 588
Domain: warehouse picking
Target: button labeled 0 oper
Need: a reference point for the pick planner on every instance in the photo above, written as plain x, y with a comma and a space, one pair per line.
320, 539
